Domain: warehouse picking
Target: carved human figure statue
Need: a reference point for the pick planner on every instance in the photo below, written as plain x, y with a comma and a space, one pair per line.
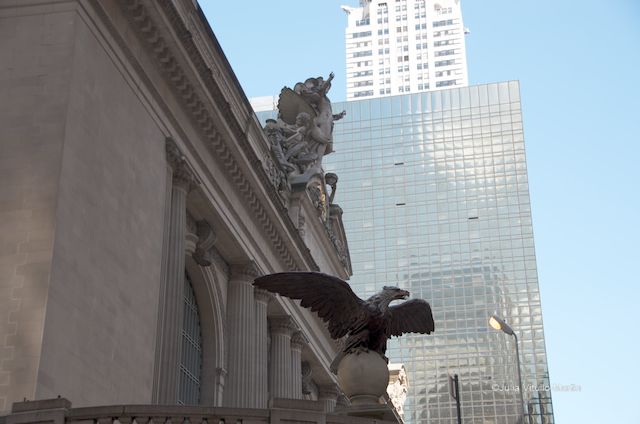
314, 92
305, 120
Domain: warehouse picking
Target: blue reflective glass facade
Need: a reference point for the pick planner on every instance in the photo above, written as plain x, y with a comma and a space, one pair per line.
436, 199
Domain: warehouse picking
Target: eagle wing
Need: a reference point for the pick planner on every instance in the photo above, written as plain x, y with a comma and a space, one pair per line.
412, 316
330, 297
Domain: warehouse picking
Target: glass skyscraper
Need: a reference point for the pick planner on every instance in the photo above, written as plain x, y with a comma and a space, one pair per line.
436, 199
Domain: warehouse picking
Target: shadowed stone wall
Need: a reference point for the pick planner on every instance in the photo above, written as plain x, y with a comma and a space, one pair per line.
82, 175
37, 50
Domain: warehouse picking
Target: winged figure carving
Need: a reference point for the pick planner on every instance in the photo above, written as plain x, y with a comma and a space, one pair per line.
367, 324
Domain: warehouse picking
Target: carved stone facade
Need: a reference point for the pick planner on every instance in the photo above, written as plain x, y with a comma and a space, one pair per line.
299, 138
147, 198
398, 387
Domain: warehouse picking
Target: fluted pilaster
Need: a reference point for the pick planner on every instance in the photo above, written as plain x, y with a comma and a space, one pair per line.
240, 384
298, 340
171, 321
281, 328
262, 298
328, 395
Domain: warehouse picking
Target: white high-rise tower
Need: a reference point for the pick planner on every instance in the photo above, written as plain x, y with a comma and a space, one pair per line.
404, 46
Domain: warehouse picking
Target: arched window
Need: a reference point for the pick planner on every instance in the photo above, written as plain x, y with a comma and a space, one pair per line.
191, 355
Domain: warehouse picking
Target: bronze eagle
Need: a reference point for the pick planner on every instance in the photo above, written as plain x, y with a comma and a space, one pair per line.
367, 324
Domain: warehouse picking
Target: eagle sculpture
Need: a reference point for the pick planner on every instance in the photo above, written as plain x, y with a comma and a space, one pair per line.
367, 324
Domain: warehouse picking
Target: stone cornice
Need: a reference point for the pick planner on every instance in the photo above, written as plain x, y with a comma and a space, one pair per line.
198, 108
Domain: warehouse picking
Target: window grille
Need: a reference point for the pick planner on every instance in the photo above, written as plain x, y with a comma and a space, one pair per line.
191, 356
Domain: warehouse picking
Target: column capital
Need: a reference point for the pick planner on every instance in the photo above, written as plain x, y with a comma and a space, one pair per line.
298, 340
328, 392
262, 296
247, 271
282, 324
183, 176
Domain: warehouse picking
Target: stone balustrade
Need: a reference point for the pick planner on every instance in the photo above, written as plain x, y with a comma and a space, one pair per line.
59, 411
146, 414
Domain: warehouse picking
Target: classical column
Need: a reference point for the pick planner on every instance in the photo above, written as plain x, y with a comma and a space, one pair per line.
282, 327
298, 340
328, 395
240, 384
172, 304
262, 298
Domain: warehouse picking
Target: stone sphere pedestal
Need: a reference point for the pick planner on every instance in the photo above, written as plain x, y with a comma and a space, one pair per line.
363, 377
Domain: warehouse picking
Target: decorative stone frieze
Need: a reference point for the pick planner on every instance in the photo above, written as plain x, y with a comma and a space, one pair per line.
277, 178
198, 107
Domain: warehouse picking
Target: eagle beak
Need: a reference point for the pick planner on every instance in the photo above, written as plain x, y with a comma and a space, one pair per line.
404, 294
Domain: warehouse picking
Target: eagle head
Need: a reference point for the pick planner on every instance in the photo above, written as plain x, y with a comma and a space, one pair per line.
395, 293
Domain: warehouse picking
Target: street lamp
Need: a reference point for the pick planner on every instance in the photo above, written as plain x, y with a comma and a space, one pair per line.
498, 323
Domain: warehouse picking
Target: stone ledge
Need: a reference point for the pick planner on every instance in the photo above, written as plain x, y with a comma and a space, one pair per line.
296, 404
40, 405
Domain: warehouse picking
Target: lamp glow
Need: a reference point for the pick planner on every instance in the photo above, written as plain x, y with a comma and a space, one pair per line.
498, 323
495, 324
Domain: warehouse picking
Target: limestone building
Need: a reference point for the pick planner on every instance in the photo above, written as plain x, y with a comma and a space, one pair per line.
140, 199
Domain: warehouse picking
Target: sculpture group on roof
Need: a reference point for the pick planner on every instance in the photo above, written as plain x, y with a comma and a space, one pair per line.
302, 133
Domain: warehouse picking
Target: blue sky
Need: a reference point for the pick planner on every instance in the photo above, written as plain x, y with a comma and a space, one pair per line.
578, 63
